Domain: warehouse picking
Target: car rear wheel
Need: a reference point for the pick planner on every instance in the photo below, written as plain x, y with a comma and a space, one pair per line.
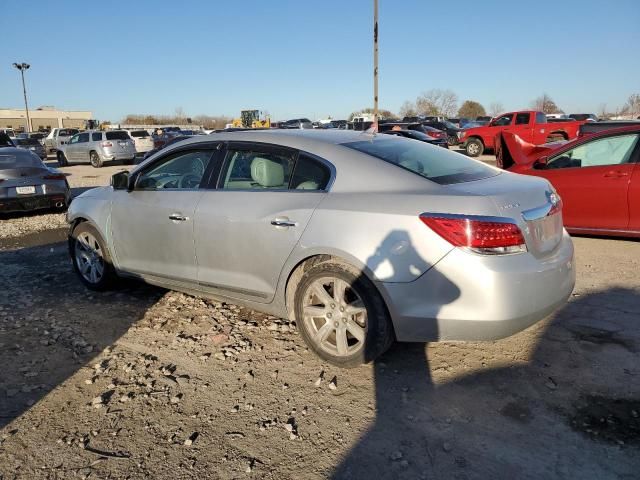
94, 158
341, 315
474, 147
91, 259
62, 160
452, 141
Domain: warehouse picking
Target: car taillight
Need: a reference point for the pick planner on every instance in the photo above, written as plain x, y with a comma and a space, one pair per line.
107, 144
55, 176
490, 237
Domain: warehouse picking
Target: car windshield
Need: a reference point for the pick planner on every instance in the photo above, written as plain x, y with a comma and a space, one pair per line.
67, 132
28, 159
118, 135
434, 163
140, 134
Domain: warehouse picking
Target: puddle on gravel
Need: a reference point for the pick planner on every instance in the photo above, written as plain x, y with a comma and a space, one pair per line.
34, 239
612, 420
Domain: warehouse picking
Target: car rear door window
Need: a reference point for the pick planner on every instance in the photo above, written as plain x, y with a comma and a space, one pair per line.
249, 169
83, 137
309, 174
96, 136
181, 170
604, 151
523, 118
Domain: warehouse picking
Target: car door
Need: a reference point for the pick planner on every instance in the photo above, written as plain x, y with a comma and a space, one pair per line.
247, 227
593, 180
81, 150
152, 225
634, 198
71, 149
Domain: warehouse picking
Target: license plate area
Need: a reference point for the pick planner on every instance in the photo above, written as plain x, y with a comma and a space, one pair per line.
28, 190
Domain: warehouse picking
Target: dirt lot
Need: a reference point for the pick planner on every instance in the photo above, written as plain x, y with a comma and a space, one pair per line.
145, 383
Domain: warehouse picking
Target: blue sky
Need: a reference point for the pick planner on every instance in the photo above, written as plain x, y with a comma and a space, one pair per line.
314, 58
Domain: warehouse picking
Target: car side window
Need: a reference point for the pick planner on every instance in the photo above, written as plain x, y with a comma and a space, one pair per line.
182, 170
74, 139
309, 174
604, 151
504, 120
523, 118
257, 170
83, 138
541, 117
96, 136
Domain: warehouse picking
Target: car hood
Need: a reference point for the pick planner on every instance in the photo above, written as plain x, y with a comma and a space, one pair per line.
512, 150
98, 192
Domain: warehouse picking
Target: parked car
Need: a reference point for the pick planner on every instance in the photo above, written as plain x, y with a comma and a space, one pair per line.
458, 122
593, 127
296, 123
142, 139
37, 135
587, 117
31, 144
475, 123
27, 184
529, 125
453, 132
370, 238
483, 118
415, 135
597, 177
96, 147
415, 126
58, 137
10, 132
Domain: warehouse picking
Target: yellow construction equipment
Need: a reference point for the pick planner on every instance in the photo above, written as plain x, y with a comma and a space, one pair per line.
251, 119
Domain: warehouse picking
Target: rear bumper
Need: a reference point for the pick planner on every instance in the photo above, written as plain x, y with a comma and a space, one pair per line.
109, 155
472, 297
34, 202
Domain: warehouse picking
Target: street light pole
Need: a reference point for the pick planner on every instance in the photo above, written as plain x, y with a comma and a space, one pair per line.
22, 67
375, 65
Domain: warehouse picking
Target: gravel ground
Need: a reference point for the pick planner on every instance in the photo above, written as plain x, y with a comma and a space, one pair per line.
144, 383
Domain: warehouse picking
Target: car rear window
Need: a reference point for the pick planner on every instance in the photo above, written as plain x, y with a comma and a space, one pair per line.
119, 135
67, 132
434, 163
28, 159
27, 141
139, 134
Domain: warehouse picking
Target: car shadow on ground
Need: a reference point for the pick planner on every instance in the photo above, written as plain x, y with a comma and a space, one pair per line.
48, 323
569, 409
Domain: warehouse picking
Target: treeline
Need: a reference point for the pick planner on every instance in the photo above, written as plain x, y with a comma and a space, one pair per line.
207, 121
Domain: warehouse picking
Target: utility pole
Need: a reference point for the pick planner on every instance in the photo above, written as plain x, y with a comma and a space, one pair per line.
375, 65
22, 67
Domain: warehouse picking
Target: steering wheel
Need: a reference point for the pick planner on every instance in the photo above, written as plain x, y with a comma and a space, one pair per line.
189, 180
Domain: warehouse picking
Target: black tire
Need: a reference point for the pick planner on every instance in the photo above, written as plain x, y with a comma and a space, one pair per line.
62, 160
379, 334
452, 141
94, 158
109, 276
474, 147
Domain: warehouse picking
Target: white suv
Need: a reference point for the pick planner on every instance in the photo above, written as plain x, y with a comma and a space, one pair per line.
142, 140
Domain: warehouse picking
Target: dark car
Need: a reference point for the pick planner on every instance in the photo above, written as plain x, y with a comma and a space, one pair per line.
27, 184
32, 144
296, 123
414, 126
168, 141
415, 135
453, 132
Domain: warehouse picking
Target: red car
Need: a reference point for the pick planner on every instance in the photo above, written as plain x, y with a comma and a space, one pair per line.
529, 125
597, 177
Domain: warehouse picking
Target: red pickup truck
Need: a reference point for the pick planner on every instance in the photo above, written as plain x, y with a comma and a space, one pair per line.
529, 125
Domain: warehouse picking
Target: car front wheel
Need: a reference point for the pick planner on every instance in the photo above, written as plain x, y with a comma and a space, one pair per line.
62, 160
474, 147
91, 259
341, 315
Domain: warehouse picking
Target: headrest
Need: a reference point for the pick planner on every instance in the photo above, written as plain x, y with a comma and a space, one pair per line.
266, 172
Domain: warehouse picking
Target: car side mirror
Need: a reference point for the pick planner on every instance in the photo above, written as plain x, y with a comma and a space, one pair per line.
122, 181
541, 163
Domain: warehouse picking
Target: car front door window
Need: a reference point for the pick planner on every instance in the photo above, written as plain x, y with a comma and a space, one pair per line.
183, 170
605, 151
503, 120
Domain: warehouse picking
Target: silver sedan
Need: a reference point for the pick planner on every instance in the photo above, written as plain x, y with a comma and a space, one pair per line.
361, 239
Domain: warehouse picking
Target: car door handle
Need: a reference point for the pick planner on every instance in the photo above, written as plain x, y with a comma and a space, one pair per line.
283, 222
177, 217
615, 174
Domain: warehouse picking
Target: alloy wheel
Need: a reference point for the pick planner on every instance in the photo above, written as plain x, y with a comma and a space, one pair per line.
335, 316
89, 258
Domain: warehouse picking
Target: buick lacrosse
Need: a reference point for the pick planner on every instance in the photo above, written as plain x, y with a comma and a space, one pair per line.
362, 239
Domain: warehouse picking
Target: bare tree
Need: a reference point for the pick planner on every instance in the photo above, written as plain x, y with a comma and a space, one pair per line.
602, 110
179, 112
632, 107
382, 113
408, 109
437, 102
495, 109
545, 104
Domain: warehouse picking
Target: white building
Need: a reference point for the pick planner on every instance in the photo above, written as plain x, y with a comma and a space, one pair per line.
42, 118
